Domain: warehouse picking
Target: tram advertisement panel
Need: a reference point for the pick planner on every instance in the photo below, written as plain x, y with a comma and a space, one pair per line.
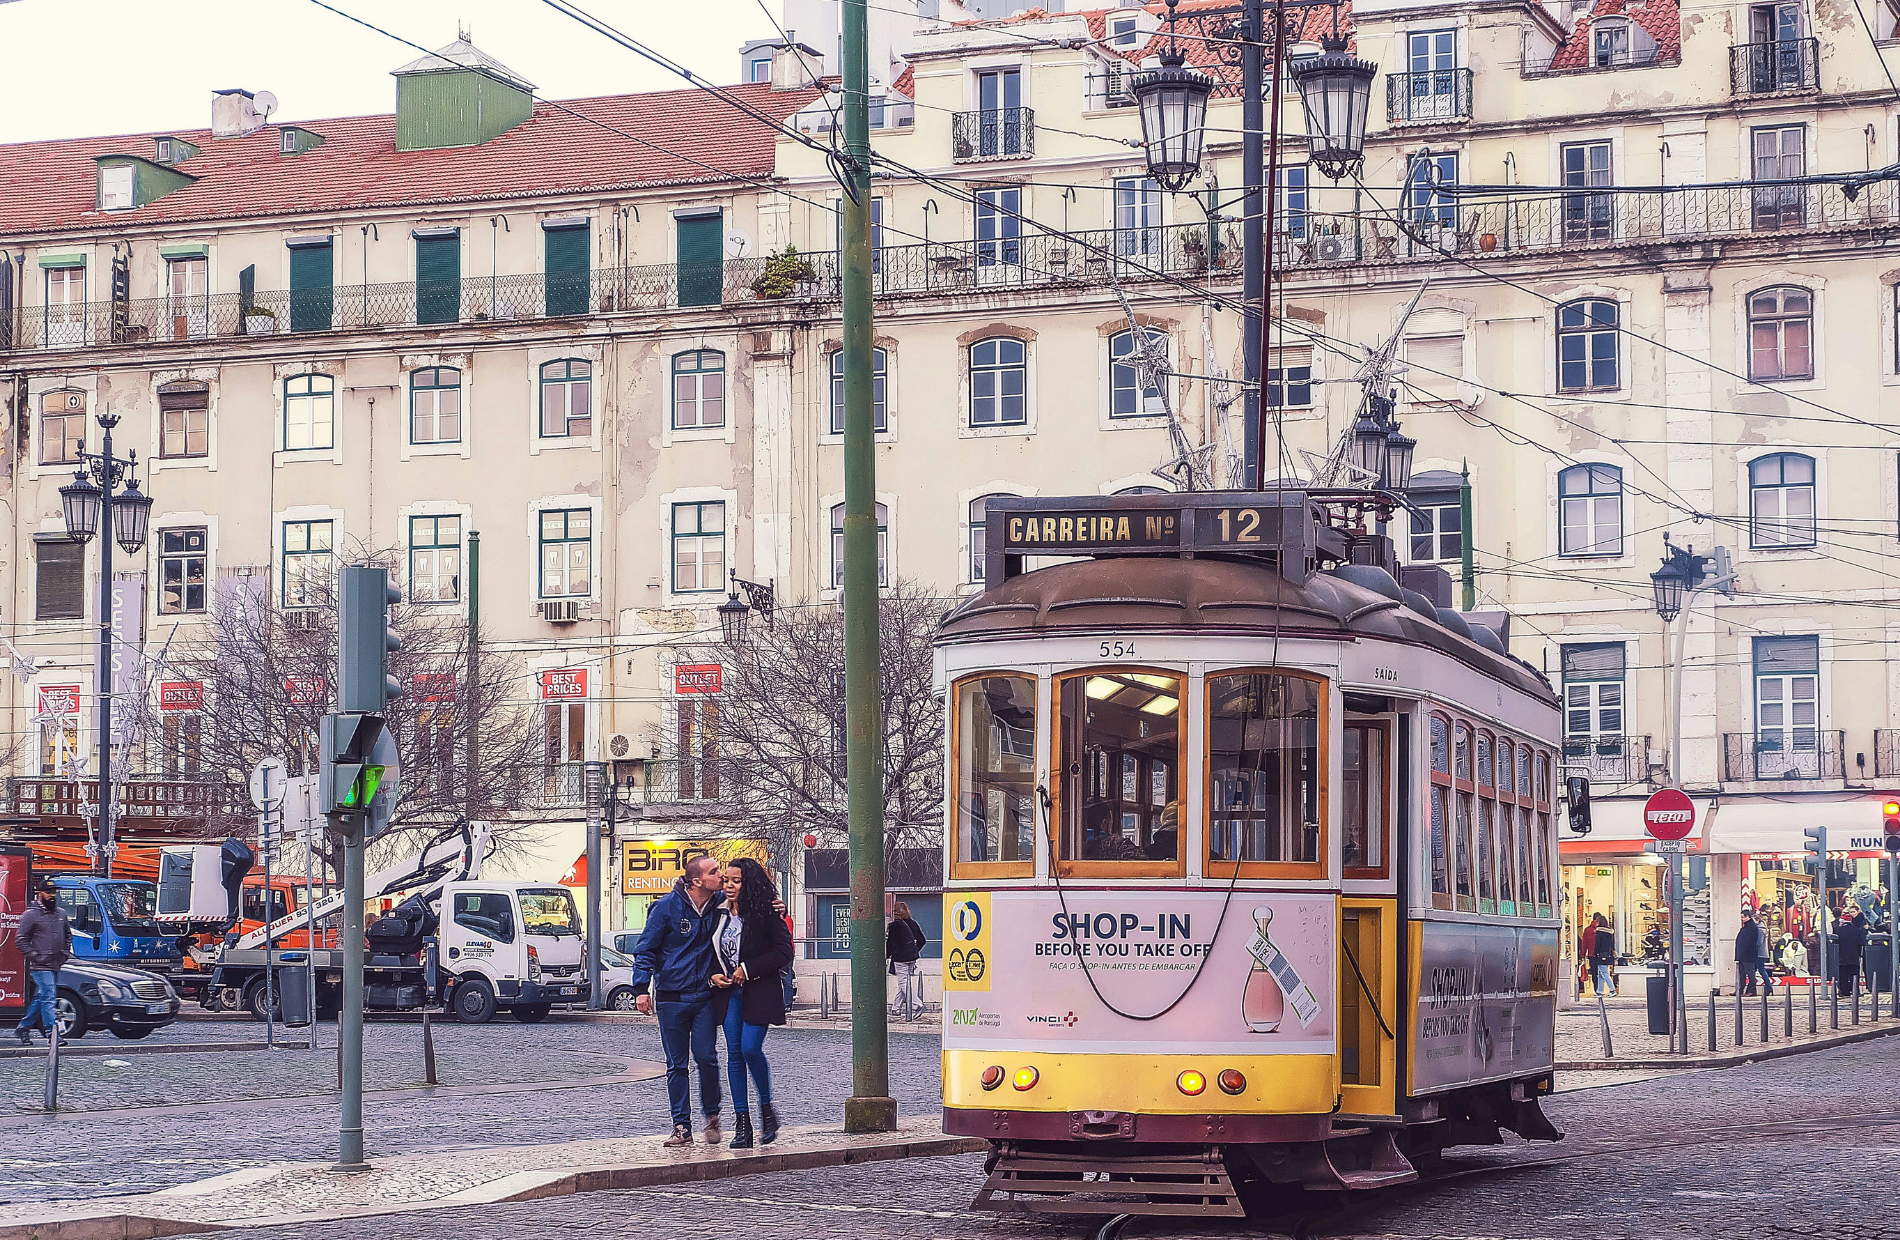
1022, 971
1486, 1004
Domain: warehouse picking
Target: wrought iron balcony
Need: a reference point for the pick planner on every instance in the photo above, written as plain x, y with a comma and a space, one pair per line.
1768, 68
1597, 60
1886, 753
997, 133
145, 805
1607, 759
1435, 95
1793, 755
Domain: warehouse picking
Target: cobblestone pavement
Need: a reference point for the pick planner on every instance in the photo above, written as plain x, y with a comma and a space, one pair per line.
1580, 1029
1792, 1147
179, 1123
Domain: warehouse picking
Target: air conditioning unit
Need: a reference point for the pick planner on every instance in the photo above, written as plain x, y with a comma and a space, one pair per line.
619, 746
301, 618
561, 611
1337, 248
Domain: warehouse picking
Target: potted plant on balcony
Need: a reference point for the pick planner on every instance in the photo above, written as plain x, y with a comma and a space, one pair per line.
783, 273
259, 322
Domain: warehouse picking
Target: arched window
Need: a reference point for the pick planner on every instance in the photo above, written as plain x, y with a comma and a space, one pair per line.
62, 426
979, 533
1129, 396
880, 362
435, 405
1590, 510
837, 545
309, 412
567, 399
1781, 500
699, 390
1587, 346
1781, 333
999, 382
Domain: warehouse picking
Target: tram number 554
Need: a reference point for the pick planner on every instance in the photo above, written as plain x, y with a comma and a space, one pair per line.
1117, 650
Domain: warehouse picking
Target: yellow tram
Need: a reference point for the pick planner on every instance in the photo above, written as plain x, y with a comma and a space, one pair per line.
1250, 862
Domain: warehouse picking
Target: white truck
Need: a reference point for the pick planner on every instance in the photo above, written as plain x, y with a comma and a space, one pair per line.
501, 945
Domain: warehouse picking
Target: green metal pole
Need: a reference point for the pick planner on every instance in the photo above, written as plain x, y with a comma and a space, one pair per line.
473, 715
1464, 538
349, 1148
870, 1107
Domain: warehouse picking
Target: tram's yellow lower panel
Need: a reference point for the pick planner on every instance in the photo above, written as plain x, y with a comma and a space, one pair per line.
1142, 1084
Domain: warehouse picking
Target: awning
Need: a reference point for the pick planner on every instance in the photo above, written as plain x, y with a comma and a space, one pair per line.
1764, 825
62, 260
576, 875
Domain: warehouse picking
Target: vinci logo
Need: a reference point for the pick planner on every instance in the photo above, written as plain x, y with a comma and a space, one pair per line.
1067, 1020
966, 932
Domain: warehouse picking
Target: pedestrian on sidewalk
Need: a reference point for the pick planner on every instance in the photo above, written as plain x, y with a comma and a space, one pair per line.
1603, 955
1850, 932
1751, 954
675, 958
46, 940
904, 942
752, 947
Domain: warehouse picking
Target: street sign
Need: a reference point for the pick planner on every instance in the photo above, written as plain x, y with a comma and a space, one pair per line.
1669, 814
1667, 847
268, 783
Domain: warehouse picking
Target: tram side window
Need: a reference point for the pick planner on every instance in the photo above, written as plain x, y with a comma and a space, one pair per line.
1362, 816
1121, 752
1527, 846
1463, 838
996, 769
1264, 771
1441, 812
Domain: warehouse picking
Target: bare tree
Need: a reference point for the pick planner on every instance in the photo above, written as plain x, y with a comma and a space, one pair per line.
769, 750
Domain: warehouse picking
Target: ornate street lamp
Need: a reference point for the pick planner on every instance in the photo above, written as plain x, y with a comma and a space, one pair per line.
1173, 104
1398, 459
131, 516
733, 614
1368, 447
1337, 91
82, 502
1669, 583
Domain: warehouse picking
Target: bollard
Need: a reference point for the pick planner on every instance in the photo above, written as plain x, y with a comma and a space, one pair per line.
1739, 1039
1712, 1047
339, 1065
1764, 1013
1603, 1014
1787, 1011
1812, 1001
1857, 1005
428, 1048
51, 1101
1834, 1003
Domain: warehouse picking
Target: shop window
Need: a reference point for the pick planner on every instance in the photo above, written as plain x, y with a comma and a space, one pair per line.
1264, 765
995, 774
1120, 762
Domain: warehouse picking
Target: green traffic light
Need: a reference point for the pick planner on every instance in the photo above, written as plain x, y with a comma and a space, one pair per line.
363, 791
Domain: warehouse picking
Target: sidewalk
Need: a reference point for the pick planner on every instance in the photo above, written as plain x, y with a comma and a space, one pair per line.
1580, 1033
312, 1193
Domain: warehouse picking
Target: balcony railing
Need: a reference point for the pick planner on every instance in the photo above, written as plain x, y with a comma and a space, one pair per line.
1886, 753
1765, 68
1596, 60
1435, 95
151, 803
998, 133
1607, 759
564, 786
1793, 755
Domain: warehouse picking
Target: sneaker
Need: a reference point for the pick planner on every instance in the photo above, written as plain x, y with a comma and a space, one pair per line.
26, 1039
713, 1135
682, 1135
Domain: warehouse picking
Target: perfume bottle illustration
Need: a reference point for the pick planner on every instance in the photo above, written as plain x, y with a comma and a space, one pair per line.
1272, 983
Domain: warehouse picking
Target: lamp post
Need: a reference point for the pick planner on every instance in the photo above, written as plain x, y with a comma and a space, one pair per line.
733, 613
104, 494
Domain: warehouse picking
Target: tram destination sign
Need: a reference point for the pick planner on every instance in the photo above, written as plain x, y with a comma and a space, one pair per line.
1272, 525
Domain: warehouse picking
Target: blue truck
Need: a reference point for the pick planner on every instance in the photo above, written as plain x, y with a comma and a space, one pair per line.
112, 921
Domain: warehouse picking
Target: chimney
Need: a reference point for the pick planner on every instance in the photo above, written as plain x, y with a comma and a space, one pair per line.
792, 65
234, 113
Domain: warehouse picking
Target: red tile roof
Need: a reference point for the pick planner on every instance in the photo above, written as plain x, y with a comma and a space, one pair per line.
1202, 40
53, 186
1661, 19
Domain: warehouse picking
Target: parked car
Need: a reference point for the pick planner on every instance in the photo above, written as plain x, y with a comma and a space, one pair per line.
616, 980
130, 1003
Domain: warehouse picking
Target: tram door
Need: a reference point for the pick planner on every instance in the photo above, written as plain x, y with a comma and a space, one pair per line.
1368, 925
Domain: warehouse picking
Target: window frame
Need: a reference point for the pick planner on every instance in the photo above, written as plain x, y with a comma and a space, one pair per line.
1590, 499
417, 390
435, 545
1590, 331
328, 395
184, 556
1051, 829
542, 542
567, 382
978, 567
1124, 362
698, 374
1439, 785
285, 555
66, 417
1783, 488
973, 368
185, 430
1780, 320
1309, 870
1436, 506
699, 537
880, 389
960, 869
1278, 378
1382, 728
882, 511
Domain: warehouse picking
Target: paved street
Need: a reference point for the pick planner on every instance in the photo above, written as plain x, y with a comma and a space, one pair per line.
1792, 1147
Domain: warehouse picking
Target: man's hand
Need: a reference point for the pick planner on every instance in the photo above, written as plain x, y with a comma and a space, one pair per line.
778, 906
644, 1003
720, 980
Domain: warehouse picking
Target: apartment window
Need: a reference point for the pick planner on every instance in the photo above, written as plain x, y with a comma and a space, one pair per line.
1787, 707
1000, 102
62, 427
565, 731
1610, 44
1590, 510
1593, 689
59, 579
1123, 32
980, 534
115, 187
880, 362
435, 405
1781, 334
183, 561
699, 390
435, 559
312, 285
567, 553
699, 548
184, 420
877, 230
1138, 219
566, 399
1130, 393
439, 276
1587, 217
1426, 200
837, 545
1289, 216
1290, 379
308, 550
999, 229
999, 382
309, 412
1432, 75
1781, 500
188, 297
1780, 155
1437, 528
182, 736
1587, 346
700, 248
1437, 365
66, 319
760, 70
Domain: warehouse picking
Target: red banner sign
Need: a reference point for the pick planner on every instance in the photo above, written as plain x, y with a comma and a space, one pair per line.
434, 686
699, 678
59, 699
564, 683
181, 695
305, 690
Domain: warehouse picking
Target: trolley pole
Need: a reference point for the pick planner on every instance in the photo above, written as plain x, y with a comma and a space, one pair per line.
870, 1107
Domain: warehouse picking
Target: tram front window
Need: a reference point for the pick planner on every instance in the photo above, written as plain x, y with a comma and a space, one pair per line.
1263, 761
996, 769
1120, 782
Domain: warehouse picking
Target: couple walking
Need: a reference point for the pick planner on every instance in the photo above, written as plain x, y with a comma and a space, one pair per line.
711, 954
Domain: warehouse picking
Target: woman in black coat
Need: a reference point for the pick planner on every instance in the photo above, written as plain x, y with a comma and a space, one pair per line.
751, 946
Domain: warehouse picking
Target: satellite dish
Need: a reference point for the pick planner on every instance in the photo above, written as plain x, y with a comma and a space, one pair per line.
264, 102
738, 245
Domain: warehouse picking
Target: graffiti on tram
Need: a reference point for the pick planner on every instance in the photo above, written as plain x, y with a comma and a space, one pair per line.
1486, 1003
1253, 972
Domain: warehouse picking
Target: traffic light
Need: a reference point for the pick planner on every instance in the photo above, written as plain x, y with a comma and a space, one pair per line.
364, 642
1814, 840
1577, 799
347, 775
1890, 822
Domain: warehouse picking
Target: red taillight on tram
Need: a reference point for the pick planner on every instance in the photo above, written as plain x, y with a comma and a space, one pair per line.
992, 1076
1231, 1082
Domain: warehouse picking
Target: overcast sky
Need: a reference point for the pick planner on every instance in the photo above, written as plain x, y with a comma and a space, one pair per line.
136, 66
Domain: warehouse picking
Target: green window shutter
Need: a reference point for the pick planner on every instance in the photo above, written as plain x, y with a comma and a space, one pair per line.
567, 273
311, 293
702, 251
439, 279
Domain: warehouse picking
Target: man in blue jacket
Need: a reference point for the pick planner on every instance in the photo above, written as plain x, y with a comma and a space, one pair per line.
675, 957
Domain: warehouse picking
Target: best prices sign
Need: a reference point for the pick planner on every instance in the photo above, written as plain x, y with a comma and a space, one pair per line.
564, 684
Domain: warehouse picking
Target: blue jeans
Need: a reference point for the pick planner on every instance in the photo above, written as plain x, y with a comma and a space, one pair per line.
687, 1025
745, 1048
1600, 973
40, 1012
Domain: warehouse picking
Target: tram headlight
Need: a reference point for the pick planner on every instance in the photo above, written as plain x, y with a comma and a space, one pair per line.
1191, 1082
992, 1076
1231, 1082
1025, 1078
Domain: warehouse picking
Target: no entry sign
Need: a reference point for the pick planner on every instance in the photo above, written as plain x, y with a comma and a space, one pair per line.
1669, 814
